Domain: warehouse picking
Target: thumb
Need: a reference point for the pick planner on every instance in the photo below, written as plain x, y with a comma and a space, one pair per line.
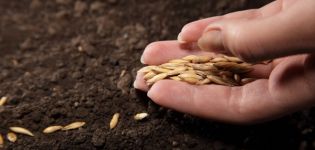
262, 38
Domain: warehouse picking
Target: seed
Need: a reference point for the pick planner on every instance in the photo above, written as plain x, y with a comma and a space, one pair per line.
11, 137
157, 78
247, 80
237, 78
141, 116
21, 131
190, 80
218, 80
1, 141
234, 67
232, 59
203, 67
180, 61
197, 59
145, 69
218, 59
176, 78
73, 125
171, 65
177, 71
52, 129
204, 81
149, 75
3, 100
160, 69
113, 123
190, 75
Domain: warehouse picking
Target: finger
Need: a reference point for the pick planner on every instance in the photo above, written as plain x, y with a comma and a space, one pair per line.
231, 104
163, 51
264, 38
139, 82
191, 32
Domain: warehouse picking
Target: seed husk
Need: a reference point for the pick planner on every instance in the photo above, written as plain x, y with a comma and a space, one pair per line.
203, 67
234, 67
21, 131
74, 125
190, 80
3, 100
52, 129
204, 81
160, 69
237, 78
197, 59
190, 75
180, 61
12, 137
218, 59
218, 80
156, 78
176, 78
1, 141
141, 116
177, 71
145, 69
149, 75
113, 123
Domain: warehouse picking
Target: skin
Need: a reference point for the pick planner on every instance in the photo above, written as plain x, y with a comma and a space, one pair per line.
282, 30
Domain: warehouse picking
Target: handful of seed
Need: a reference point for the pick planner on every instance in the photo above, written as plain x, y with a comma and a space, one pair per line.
200, 70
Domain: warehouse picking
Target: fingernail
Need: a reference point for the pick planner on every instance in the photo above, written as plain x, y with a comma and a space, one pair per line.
135, 85
180, 39
211, 41
142, 60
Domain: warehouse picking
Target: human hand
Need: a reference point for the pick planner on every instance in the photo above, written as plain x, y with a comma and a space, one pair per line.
287, 84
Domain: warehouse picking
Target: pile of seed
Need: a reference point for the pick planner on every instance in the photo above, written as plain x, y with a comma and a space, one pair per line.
200, 70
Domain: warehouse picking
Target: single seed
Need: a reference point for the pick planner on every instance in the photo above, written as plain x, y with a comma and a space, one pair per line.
145, 69
203, 67
141, 116
1, 141
234, 67
3, 100
218, 59
73, 125
237, 78
204, 81
21, 131
176, 78
149, 75
52, 129
197, 59
12, 137
218, 80
113, 123
190, 80
177, 71
160, 69
181, 61
190, 75
247, 80
172, 65
156, 78
122, 73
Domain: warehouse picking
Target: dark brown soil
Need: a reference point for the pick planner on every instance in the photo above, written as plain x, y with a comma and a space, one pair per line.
61, 61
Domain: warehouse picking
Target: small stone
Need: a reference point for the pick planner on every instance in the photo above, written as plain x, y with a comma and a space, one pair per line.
97, 6
35, 4
98, 138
